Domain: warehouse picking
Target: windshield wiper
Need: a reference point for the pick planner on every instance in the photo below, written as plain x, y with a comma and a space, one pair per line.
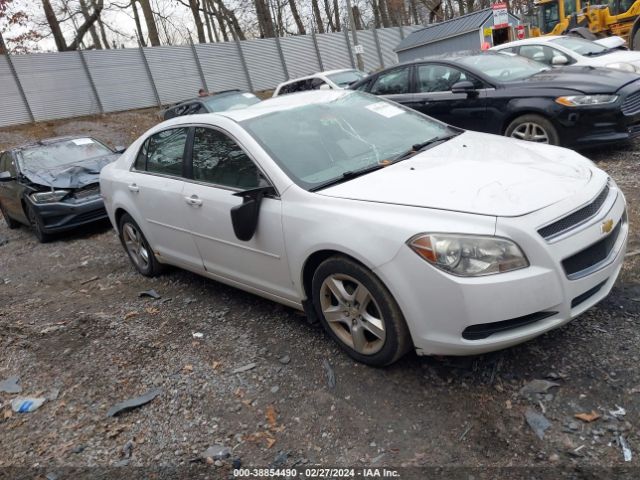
420, 147
351, 174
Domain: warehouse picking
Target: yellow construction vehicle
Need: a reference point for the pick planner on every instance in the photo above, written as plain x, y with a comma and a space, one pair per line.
614, 17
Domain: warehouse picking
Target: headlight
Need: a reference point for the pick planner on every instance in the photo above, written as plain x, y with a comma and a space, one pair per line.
586, 100
49, 197
627, 67
467, 255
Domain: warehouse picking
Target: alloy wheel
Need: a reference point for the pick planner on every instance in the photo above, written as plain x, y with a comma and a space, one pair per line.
531, 132
135, 245
352, 313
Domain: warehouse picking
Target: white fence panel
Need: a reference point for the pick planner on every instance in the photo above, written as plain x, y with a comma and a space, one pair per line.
389, 39
222, 66
12, 108
56, 85
300, 55
333, 50
263, 61
121, 79
175, 72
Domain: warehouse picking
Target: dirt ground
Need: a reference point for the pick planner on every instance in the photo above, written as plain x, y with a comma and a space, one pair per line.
74, 329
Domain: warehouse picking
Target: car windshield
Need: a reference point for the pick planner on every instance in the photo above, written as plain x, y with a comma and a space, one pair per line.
504, 68
581, 46
62, 153
344, 79
320, 142
234, 101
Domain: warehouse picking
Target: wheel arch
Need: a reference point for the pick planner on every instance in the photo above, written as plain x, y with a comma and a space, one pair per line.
520, 113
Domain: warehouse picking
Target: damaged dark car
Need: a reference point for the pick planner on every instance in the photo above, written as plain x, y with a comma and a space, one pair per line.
52, 185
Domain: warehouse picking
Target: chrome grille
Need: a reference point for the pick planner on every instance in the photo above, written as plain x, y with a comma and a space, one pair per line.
631, 104
576, 218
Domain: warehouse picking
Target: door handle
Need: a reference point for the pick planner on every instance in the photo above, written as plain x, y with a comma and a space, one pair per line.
134, 188
193, 200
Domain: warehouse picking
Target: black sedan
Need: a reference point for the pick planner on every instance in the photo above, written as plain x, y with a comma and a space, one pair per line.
52, 185
513, 96
214, 102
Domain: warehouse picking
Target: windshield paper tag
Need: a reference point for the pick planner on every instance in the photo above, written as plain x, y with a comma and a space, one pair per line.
82, 141
248, 95
385, 109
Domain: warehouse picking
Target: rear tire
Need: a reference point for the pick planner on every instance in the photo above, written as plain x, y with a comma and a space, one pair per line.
137, 247
359, 313
11, 223
37, 226
533, 128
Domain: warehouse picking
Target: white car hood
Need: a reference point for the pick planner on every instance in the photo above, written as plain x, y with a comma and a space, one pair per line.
625, 56
475, 173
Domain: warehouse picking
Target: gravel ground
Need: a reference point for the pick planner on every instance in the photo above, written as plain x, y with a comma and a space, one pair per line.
245, 373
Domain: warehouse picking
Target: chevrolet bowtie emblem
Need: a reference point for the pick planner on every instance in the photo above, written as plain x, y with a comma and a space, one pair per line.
606, 226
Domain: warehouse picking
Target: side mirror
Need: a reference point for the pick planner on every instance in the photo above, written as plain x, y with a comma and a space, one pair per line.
6, 177
464, 86
244, 217
325, 86
559, 60
120, 149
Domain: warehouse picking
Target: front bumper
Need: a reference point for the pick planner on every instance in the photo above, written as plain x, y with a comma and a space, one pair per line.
441, 310
582, 127
61, 216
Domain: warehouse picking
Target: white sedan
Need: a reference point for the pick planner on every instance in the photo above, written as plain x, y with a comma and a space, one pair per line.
329, 80
568, 50
396, 231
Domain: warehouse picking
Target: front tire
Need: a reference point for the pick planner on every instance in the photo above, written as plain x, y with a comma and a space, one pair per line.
533, 128
137, 247
11, 223
37, 226
359, 313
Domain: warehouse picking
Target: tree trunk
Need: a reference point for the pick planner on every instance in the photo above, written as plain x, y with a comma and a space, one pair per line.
136, 19
327, 11
152, 29
357, 18
336, 13
265, 21
54, 25
92, 31
195, 10
296, 17
317, 16
384, 13
207, 19
232, 21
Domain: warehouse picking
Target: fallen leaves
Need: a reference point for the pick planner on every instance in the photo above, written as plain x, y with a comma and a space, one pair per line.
588, 417
130, 315
267, 435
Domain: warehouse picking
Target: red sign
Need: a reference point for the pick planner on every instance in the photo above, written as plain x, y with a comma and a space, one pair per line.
520, 32
500, 15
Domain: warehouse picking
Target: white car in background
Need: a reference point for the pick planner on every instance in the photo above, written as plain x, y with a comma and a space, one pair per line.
557, 51
395, 230
329, 80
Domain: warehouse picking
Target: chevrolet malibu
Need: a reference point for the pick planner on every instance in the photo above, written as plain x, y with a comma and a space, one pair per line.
392, 229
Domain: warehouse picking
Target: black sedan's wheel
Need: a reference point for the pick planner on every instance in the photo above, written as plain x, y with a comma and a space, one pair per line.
36, 224
533, 128
358, 311
137, 247
11, 223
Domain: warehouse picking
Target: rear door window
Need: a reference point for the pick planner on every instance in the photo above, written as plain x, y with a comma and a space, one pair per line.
163, 152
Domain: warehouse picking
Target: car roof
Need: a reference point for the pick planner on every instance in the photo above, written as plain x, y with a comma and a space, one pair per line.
526, 41
318, 74
271, 105
222, 93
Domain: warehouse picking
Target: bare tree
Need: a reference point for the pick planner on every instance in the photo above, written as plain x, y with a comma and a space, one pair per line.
92, 29
152, 29
296, 17
265, 20
56, 30
195, 10
318, 16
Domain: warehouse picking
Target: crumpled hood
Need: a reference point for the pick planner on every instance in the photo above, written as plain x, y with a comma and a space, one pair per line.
76, 175
475, 173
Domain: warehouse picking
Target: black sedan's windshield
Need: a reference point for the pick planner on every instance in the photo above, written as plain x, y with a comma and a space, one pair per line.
503, 68
321, 142
61, 153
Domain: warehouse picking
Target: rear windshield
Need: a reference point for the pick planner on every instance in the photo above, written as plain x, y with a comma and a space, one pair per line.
344, 79
230, 102
62, 153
